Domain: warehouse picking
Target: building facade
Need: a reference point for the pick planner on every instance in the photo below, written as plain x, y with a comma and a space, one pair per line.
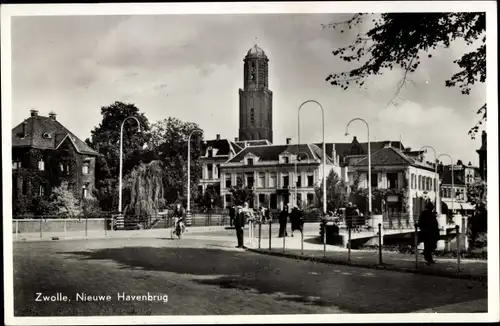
256, 100
45, 153
463, 175
270, 172
482, 157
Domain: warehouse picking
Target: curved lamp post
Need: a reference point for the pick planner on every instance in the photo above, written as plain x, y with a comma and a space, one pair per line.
369, 162
296, 177
121, 161
436, 180
189, 169
324, 148
452, 181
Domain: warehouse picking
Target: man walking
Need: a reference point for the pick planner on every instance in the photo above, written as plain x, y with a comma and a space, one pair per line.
283, 217
239, 224
429, 228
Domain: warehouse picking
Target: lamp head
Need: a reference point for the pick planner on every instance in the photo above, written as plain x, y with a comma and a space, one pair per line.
346, 133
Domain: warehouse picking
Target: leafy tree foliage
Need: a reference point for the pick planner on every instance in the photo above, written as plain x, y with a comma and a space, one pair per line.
65, 202
477, 194
106, 139
401, 39
240, 193
336, 192
146, 189
211, 197
169, 138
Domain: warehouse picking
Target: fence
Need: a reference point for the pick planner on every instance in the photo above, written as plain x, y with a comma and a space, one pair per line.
316, 246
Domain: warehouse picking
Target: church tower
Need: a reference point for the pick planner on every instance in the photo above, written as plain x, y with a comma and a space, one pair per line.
256, 100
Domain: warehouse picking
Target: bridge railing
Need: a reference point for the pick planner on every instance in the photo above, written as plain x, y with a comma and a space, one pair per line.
397, 221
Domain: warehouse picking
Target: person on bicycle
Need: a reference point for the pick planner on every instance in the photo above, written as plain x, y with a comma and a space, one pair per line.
179, 217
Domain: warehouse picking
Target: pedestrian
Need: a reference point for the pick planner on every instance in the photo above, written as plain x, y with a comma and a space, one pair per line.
429, 230
296, 219
267, 215
283, 217
357, 219
232, 215
239, 224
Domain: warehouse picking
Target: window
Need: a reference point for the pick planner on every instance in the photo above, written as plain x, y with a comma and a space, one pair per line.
228, 180
299, 200
41, 191
85, 191
216, 173
419, 182
250, 161
299, 181
286, 181
16, 165
262, 180
228, 199
272, 180
85, 168
250, 180
273, 201
392, 181
41, 165
25, 187
412, 181
252, 116
286, 160
374, 180
310, 199
310, 180
210, 152
262, 198
210, 171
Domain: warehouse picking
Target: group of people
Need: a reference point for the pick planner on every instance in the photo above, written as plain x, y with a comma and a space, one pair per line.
296, 220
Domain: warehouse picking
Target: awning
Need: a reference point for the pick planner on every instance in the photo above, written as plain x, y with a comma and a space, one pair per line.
459, 205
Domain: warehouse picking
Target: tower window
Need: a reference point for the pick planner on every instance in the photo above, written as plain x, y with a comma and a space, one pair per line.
252, 116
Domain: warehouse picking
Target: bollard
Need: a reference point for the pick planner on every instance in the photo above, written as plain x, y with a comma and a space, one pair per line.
260, 232
17, 229
270, 234
64, 223
457, 228
105, 225
86, 226
41, 232
302, 241
284, 238
324, 240
416, 246
348, 243
380, 244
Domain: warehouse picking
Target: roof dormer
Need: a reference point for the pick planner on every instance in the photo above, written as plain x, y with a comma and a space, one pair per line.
250, 159
285, 158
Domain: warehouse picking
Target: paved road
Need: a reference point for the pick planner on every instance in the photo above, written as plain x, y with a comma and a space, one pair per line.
203, 277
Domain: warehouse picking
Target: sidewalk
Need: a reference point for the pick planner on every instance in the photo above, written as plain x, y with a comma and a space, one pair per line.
93, 234
313, 251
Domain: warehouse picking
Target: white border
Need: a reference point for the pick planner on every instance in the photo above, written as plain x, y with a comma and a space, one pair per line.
7, 11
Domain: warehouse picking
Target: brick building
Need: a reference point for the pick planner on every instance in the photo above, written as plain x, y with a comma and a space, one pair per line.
45, 153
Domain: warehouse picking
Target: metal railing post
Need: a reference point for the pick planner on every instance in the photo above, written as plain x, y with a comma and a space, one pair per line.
105, 225
86, 226
457, 228
64, 223
284, 238
41, 227
260, 233
349, 243
380, 244
416, 245
17, 229
270, 234
302, 241
324, 240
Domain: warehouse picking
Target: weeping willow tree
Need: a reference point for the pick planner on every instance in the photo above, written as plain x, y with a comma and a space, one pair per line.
146, 190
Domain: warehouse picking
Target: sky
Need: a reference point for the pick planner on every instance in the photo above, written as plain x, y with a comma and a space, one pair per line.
191, 67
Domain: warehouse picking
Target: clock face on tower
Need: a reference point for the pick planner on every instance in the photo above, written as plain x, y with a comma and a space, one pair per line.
252, 73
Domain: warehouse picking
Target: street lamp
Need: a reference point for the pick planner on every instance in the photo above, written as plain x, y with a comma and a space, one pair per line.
296, 177
121, 161
436, 180
452, 180
324, 147
189, 169
369, 162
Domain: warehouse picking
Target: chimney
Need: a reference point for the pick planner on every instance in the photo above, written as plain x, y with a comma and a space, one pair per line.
218, 136
235, 139
288, 141
470, 163
52, 115
34, 113
354, 138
